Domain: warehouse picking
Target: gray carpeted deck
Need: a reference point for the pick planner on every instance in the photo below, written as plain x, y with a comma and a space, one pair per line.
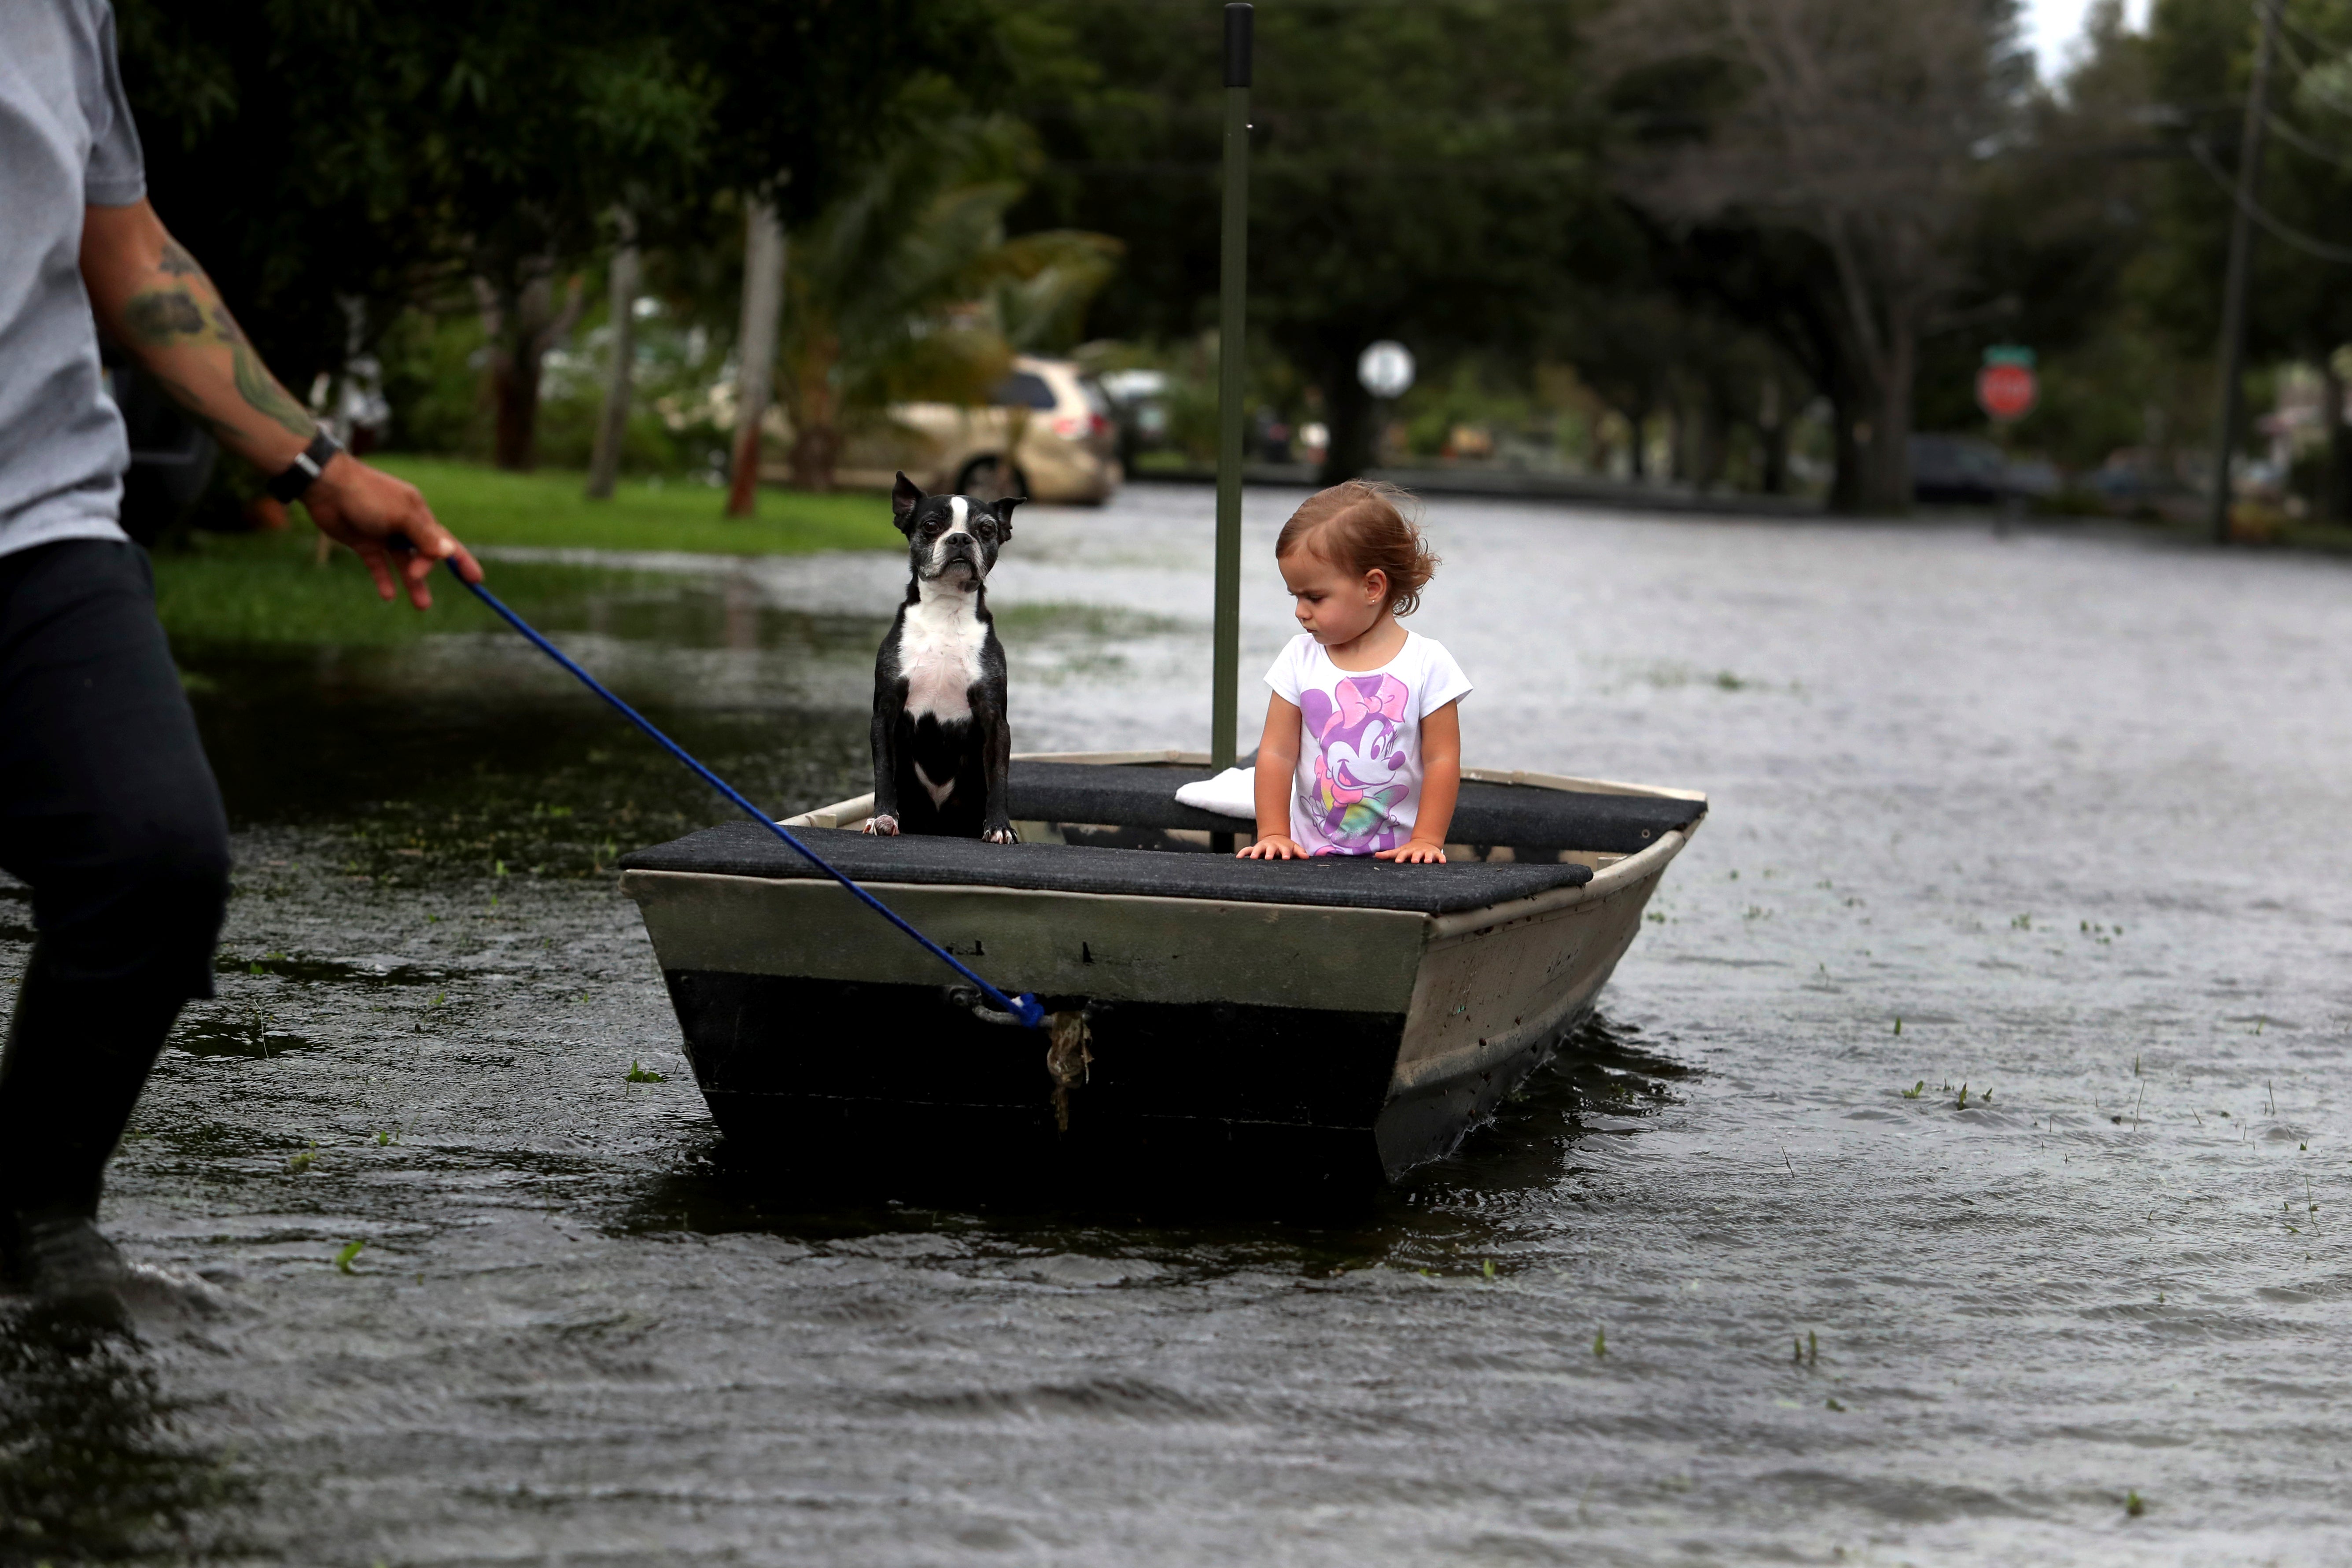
1522, 816
743, 850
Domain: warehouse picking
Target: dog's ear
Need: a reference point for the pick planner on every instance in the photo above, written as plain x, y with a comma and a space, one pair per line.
904, 498
1004, 506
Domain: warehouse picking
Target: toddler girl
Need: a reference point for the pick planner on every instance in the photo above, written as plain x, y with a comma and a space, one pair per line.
1362, 753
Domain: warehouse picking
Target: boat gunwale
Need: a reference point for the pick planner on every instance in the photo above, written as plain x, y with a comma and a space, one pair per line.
1605, 883
857, 808
886, 890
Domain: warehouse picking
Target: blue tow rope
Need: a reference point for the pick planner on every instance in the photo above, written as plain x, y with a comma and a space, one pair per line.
1024, 1007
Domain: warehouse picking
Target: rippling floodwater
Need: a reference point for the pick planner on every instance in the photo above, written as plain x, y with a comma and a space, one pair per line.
2055, 821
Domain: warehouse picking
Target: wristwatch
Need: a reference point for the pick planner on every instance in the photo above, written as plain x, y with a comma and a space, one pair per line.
304, 471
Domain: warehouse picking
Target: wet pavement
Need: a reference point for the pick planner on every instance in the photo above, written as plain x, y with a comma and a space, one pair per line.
1955, 1173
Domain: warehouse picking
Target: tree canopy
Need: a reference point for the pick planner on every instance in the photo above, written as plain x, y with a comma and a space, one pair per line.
1417, 172
329, 158
1699, 215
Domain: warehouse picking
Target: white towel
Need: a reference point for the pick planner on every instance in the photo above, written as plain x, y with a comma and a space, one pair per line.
1233, 793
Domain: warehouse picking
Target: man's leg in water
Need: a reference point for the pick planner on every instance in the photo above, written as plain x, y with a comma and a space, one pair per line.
108, 811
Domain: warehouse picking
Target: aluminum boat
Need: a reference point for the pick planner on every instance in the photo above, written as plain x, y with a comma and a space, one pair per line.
1331, 1021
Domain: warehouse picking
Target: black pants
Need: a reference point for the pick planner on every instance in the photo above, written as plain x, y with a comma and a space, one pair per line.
108, 811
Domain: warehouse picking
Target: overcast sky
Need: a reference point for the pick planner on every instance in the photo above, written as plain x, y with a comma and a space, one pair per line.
2052, 25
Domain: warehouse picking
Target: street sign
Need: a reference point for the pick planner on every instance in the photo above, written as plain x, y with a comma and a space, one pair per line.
1385, 368
2006, 388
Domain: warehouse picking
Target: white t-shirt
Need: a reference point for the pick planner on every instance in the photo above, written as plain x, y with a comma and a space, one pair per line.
1359, 787
66, 142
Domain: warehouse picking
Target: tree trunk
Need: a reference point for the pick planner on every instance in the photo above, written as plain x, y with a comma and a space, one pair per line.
808, 395
2335, 483
817, 451
1772, 431
612, 428
1637, 445
1706, 467
1845, 440
1886, 470
763, 293
1881, 341
1353, 420
522, 324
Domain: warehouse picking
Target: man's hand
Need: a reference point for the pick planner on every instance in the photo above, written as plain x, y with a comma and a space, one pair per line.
1420, 852
366, 508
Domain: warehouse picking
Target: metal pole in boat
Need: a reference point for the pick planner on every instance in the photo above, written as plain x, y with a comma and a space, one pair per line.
1232, 299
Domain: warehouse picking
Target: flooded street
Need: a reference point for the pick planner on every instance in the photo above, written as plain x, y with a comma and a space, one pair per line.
1956, 1169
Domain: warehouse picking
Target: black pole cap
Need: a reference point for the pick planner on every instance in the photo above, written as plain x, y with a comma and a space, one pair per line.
1237, 45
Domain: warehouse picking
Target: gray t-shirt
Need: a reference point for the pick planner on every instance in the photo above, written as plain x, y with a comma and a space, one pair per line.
66, 142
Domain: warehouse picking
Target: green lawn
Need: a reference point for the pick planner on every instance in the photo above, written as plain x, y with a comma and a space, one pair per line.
254, 590
486, 507
268, 589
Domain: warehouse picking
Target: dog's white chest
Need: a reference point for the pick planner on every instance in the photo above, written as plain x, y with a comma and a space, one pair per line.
939, 653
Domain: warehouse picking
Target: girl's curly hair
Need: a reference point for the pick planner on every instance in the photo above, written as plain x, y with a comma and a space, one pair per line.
1360, 526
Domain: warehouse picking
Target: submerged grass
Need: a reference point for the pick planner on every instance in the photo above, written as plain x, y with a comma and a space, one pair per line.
270, 590
273, 590
547, 508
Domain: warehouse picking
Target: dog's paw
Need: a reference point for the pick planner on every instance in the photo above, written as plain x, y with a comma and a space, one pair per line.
883, 827
1002, 834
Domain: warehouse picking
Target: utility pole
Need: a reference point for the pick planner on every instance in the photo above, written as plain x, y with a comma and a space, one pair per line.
2234, 286
1233, 336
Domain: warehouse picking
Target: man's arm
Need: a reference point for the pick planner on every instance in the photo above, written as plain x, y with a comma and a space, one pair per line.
153, 298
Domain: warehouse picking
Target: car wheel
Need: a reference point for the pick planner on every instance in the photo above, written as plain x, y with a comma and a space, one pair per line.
992, 478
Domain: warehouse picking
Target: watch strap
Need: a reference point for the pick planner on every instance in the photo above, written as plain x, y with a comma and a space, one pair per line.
304, 471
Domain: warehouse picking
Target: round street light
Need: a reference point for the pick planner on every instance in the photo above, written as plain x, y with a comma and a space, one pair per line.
1385, 368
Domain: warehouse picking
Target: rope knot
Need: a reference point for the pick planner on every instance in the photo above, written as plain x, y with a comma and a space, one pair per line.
1067, 1060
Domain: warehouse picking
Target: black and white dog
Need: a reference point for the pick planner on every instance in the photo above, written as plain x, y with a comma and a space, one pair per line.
941, 744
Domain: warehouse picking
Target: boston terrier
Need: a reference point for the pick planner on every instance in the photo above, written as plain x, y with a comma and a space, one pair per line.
941, 744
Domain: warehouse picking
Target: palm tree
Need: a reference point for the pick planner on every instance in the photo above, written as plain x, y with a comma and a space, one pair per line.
906, 287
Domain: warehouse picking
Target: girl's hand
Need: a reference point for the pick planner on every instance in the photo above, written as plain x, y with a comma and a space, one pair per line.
1420, 852
1274, 846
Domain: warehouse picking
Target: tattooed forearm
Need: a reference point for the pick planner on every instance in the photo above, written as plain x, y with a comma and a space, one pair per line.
264, 396
175, 318
153, 299
160, 316
185, 396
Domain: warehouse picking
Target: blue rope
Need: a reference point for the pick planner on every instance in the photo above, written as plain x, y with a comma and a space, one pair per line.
1024, 1007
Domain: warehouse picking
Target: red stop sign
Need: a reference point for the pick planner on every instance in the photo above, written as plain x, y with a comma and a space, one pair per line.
2007, 390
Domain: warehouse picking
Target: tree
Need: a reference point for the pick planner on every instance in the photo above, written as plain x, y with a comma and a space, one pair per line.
907, 286
1419, 172
551, 113
384, 149
755, 348
293, 186
2062, 253
332, 160
1857, 125
625, 275
2300, 292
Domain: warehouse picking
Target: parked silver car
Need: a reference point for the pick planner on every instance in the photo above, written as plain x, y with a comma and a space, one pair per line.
1046, 433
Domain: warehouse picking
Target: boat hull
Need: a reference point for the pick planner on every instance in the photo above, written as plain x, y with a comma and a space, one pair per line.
1240, 1043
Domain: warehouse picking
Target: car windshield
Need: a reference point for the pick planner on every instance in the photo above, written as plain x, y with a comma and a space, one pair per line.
1023, 390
